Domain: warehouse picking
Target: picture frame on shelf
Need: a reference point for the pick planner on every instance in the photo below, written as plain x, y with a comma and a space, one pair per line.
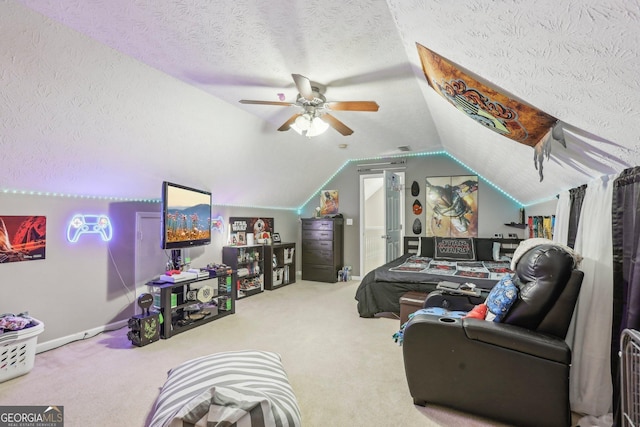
275, 237
242, 240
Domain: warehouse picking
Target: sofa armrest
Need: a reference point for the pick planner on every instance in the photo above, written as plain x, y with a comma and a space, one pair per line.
518, 339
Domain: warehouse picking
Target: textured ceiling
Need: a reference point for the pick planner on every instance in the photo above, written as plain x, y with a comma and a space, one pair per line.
111, 97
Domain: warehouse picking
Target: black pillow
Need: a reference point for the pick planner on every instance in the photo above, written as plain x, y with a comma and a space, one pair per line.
428, 247
484, 249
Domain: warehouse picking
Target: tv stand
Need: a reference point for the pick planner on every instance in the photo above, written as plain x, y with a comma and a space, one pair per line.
174, 301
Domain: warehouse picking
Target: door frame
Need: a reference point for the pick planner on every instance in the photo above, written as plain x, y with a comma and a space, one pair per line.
380, 174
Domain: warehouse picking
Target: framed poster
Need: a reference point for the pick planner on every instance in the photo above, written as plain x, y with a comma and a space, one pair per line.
22, 238
328, 202
452, 206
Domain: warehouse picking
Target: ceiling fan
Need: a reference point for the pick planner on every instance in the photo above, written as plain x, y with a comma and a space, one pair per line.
314, 118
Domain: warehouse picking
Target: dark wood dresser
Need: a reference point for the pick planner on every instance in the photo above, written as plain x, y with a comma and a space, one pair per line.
322, 249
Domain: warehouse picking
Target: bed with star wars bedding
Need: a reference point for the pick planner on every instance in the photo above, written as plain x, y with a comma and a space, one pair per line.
432, 260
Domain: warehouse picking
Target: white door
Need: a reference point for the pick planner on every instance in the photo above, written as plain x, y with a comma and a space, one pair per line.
151, 260
373, 229
392, 218
372, 245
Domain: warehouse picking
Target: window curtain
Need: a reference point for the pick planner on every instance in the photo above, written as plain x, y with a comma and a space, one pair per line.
563, 211
626, 266
590, 385
577, 198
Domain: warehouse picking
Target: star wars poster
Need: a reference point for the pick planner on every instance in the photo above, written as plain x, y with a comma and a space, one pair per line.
22, 238
452, 206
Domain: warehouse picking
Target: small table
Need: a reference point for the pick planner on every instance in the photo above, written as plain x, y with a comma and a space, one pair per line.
410, 302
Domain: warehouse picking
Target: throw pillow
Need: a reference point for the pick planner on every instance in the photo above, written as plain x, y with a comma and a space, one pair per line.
450, 248
478, 312
484, 249
501, 298
427, 247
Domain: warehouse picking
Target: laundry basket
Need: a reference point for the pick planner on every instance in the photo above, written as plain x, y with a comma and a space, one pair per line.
18, 351
630, 380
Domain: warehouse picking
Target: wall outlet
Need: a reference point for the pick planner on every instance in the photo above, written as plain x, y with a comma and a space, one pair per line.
349, 221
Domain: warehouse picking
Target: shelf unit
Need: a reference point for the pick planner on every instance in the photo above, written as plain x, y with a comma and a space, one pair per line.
177, 302
516, 225
248, 263
283, 265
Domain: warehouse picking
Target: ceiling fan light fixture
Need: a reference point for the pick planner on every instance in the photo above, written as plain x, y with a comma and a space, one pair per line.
314, 104
317, 127
302, 123
309, 126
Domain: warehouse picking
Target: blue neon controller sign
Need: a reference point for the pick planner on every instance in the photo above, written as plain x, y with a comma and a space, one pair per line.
82, 224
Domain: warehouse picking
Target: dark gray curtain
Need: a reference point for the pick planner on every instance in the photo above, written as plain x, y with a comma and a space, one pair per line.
576, 196
626, 267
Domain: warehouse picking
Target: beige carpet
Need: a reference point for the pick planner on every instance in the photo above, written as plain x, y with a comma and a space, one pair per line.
345, 370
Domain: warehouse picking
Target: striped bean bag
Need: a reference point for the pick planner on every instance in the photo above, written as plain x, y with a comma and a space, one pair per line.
230, 389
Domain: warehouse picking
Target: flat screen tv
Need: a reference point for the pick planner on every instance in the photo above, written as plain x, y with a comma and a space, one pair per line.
186, 216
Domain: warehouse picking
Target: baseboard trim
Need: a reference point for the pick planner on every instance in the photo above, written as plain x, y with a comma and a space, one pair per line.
89, 333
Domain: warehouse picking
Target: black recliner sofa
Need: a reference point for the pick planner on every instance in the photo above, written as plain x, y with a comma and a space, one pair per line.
515, 371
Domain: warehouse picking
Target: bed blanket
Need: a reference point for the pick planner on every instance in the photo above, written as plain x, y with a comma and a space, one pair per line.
380, 289
491, 270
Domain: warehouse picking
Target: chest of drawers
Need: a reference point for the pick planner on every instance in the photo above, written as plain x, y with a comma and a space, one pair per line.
322, 249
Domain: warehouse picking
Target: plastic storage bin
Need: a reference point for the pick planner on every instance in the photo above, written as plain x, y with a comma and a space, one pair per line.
18, 351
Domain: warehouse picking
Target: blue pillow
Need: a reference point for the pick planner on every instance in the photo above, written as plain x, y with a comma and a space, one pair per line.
501, 298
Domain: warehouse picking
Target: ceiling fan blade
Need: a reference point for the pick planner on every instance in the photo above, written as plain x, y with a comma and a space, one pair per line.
352, 106
337, 124
304, 86
287, 125
248, 101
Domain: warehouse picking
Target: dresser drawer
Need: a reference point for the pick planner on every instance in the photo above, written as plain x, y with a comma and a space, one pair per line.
317, 235
319, 273
317, 256
317, 245
317, 224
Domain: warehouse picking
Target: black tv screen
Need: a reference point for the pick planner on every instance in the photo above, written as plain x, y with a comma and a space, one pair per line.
186, 216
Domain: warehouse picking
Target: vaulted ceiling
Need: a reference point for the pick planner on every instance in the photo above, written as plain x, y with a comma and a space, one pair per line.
111, 97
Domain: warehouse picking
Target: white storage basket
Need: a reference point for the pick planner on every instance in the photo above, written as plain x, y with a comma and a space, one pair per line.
277, 276
18, 351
